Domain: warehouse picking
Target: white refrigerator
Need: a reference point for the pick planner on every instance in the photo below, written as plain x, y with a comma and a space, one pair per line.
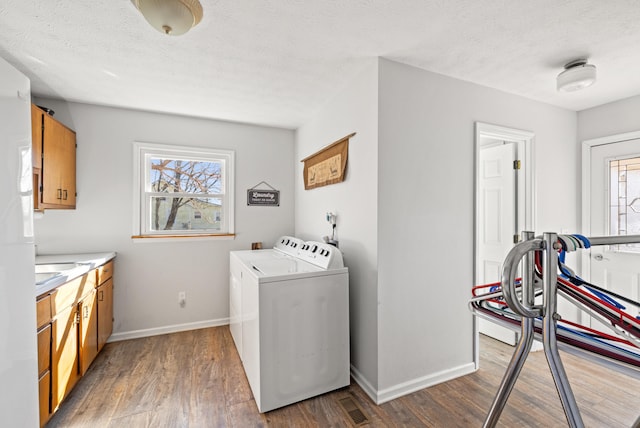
18, 349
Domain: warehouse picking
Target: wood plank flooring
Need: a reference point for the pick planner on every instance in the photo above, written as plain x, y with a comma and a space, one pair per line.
195, 379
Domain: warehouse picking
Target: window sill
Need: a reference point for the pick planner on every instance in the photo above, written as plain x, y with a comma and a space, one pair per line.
178, 238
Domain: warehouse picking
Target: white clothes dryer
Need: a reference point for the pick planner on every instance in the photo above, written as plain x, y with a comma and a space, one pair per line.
289, 319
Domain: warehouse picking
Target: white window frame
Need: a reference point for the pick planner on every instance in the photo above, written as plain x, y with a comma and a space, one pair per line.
142, 151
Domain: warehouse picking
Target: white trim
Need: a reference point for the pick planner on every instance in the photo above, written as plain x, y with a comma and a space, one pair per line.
511, 134
486, 130
175, 239
587, 145
413, 385
364, 383
176, 328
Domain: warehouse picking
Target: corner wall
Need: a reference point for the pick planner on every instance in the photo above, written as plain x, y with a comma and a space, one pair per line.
426, 213
354, 109
149, 275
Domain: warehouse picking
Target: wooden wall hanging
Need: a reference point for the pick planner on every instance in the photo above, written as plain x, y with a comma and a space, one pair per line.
328, 165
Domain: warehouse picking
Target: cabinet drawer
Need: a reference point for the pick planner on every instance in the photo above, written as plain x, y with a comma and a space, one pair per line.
44, 392
44, 348
105, 272
72, 292
43, 310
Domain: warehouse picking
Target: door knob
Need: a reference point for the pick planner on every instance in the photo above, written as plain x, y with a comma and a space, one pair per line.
598, 257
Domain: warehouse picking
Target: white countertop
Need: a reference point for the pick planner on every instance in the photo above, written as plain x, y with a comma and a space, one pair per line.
87, 262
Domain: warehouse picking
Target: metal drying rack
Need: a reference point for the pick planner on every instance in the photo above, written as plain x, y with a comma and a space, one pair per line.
523, 304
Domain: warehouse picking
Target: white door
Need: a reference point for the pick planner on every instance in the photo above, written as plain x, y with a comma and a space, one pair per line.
497, 220
615, 210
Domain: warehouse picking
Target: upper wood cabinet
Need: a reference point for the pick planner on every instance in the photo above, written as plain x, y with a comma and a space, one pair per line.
36, 136
55, 170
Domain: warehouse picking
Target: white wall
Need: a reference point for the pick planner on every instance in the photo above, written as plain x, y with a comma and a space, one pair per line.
149, 275
426, 212
354, 109
609, 119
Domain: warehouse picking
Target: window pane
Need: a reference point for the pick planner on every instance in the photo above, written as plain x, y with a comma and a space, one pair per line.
170, 213
624, 194
185, 176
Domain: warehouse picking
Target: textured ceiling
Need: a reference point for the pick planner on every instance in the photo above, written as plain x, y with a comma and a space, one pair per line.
276, 62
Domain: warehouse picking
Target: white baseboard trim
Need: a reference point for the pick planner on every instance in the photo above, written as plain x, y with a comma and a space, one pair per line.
136, 334
413, 385
364, 383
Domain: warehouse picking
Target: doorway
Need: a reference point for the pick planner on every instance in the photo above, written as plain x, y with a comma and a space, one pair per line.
503, 203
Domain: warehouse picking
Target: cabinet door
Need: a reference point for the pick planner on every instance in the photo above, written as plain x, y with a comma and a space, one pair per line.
44, 388
64, 361
44, 348
88, 331
58, 165
105, 312
36, 136
37, 116
53, 161
68, 176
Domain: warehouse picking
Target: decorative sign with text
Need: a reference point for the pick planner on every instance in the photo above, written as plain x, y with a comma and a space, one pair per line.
261, 197
327, 166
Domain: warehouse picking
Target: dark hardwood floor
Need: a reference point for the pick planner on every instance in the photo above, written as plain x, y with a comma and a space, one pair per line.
195, 379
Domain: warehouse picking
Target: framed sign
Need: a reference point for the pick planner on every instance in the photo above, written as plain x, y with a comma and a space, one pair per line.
327, 166
261, 197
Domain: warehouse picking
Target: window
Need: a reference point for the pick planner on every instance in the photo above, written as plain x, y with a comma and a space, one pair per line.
182, 191
624, 197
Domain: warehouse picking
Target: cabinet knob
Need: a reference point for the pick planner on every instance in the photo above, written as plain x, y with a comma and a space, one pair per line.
59, 194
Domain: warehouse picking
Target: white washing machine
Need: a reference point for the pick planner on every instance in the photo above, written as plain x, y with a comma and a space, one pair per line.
289, 318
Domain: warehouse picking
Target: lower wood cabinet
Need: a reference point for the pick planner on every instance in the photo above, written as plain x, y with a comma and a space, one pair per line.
105, 312
44, 371
74, 322
65, 356
43, 317
88, 331
44, 392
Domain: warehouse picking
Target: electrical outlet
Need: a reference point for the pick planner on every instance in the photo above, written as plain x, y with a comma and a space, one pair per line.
182, 299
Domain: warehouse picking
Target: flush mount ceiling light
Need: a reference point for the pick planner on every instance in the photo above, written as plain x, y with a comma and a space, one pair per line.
172, 17
576, 75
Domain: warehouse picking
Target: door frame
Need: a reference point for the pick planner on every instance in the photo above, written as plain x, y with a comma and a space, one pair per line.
486, 130
587, 145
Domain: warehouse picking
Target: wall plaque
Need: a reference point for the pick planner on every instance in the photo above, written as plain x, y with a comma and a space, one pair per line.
263, 197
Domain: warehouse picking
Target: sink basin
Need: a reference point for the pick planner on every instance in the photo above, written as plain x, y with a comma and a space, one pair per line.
56, 267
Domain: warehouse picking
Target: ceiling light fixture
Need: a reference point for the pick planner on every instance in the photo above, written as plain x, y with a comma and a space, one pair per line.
577, 75
172, 17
